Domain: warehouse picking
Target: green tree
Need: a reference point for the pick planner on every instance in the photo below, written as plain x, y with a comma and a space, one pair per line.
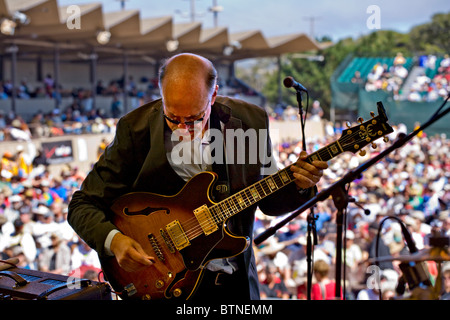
433, 37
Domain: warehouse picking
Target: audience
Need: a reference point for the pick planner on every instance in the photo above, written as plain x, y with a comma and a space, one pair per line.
410, 184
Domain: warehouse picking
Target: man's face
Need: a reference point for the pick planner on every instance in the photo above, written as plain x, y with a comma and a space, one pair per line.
187, 109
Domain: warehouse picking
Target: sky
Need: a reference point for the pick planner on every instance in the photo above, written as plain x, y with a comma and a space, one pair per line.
333, 18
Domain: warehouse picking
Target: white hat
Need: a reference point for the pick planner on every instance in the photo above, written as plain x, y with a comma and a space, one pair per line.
41, 209
15, 198
350, 235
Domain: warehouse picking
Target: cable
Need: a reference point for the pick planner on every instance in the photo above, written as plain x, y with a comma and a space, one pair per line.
9, 262
406, 236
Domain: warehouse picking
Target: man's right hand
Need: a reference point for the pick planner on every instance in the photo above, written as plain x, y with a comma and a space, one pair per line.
129, 253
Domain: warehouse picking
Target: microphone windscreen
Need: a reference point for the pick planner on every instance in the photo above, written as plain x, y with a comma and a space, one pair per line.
288, 82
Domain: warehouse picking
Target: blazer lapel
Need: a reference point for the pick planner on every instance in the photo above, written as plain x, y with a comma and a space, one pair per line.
236, 170
157, 174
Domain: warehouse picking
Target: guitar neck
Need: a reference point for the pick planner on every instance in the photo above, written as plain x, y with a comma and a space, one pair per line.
266, 186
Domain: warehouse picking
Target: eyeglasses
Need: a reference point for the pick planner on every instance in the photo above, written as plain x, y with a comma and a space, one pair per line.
186, 123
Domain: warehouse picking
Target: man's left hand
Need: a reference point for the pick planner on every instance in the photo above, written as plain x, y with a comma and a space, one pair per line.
306, 174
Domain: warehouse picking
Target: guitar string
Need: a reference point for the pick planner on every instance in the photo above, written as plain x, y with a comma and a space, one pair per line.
193, 228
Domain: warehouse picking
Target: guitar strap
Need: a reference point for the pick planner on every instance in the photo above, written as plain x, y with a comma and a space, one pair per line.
222, 187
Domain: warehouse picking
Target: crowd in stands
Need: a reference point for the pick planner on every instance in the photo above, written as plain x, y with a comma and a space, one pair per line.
55, 123
411, 184
433, 86
387, 78
430, 84
80, 116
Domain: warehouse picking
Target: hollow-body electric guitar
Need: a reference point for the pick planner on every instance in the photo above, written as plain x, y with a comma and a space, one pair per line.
187, 230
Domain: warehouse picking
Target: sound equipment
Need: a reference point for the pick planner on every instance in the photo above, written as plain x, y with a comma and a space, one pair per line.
24, 284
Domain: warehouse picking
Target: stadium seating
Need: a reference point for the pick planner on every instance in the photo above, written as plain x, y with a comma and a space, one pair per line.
365, 64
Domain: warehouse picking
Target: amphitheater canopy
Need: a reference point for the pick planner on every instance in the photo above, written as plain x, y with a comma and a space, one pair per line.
41, 26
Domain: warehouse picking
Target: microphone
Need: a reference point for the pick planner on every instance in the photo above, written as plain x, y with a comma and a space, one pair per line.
408, 239
289, 82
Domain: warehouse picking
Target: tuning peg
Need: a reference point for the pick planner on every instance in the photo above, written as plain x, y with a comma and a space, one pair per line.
362, 153
374, 145
386, 139
372, 114
348, 124
360, 120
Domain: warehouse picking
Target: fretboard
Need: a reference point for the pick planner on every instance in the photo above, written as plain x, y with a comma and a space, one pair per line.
266, 186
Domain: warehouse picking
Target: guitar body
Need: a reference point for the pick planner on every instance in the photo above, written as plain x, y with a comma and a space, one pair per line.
177, 271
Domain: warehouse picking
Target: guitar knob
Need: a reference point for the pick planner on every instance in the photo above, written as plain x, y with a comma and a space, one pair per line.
360, 120
362, 153
374, 145
159, 284
372, 114
177, 292
386, 139
348, 124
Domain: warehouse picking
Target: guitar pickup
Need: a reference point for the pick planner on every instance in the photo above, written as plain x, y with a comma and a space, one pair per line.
177, 234
205, 220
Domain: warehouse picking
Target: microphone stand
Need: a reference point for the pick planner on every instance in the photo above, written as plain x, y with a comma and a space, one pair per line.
340, 197
311, 219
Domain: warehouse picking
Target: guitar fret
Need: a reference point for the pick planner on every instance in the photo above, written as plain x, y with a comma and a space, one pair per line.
260, 184
255, 193
224, 208
240, 200
233, 207
278, 181
290, 174
285, 177
271, 183
230, 205
248, 199
218, 213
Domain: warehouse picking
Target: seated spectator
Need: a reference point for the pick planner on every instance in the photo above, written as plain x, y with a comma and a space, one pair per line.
22, 242
399, 59
83, 255
324, 288
316, 112
357, 78
56, 257
414, 95
273, 286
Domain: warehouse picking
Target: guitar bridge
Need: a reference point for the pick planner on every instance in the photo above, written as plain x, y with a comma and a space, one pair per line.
155, 246
205, 220
176, 233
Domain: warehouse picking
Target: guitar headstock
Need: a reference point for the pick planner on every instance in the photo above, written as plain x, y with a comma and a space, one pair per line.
355, 138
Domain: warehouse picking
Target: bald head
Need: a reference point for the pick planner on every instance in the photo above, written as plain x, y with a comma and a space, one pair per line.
188, 71
188, 85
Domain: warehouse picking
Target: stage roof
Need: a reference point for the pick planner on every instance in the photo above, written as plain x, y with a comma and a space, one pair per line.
50, 26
